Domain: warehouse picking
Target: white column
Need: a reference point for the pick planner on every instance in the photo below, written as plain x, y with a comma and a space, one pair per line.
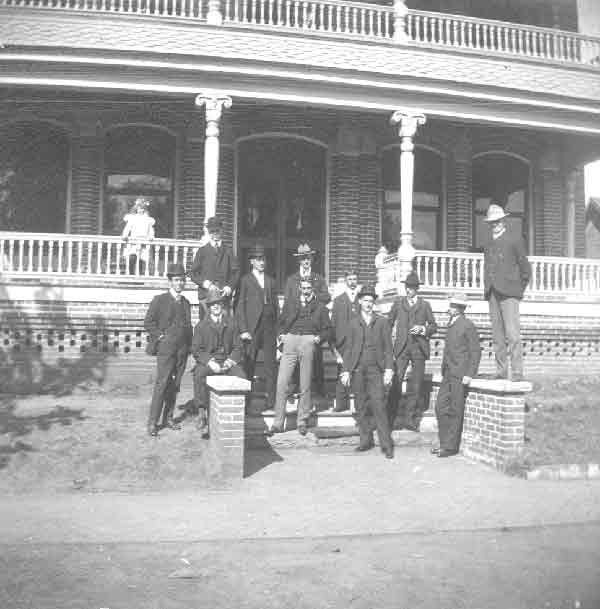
214, 103
407, 122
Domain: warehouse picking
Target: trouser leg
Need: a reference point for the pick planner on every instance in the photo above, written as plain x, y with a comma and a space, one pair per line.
307, 351
449, 410
318, 370
413, 412
376, 393
269, 347
498, 335
512, 326
396, 393
287, 364
165, 365
359, 388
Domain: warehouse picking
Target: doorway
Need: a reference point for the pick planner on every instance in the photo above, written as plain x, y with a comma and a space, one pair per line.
281, 201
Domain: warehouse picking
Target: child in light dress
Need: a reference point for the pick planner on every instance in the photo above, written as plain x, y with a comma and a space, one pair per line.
139, 228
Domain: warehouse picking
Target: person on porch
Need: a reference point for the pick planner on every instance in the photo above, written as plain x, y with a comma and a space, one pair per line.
215, 267
304, 326
256, 314
368, 370
506, 275
139, 227
216, 349
462, 353
168, 322
345, 308
412, 324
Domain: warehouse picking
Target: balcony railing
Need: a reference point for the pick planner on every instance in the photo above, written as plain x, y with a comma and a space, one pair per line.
87, 257
443, 272
342, 18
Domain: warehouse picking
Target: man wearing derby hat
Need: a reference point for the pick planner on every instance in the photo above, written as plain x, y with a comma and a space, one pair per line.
256, 315
169, 325
216, 349
411, 324
214, 266
368, 370
462, 353
506, 275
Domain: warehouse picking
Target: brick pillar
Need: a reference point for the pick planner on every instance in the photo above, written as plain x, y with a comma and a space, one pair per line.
460, 195
86, 174
553, 222
191, 219
227, 422
367, 219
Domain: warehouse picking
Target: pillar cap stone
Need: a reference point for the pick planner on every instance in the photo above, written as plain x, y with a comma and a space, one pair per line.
228, 384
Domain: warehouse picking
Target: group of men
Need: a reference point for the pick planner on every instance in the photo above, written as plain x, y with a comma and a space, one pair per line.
240, 317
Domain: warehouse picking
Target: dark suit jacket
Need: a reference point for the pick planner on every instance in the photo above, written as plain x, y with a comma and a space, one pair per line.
402, 317
321, 325
206, 340
356, 340
159, 323
342, 312
251, 299
462, 351
506, 267
221, 268
320, 288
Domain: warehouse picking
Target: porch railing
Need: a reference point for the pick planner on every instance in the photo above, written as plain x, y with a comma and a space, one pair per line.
447, 271
88, 257
344, 18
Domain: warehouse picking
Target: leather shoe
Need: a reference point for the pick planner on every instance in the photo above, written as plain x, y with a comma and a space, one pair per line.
412, 427
302, 429
389, 453
153, 431
171, 424
435, 451
361, 448
274, 430
446, 453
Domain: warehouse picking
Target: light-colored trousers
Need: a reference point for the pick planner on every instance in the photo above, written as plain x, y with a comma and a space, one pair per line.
506, 334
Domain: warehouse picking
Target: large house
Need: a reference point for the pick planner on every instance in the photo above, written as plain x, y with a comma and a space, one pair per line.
351, 125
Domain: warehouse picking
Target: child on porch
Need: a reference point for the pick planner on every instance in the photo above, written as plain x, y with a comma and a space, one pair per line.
139, 227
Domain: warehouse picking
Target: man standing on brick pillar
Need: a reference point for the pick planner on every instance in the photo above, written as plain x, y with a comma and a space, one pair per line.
506, 275
368, 369
411, 324
462, 353
214, 267
169, 324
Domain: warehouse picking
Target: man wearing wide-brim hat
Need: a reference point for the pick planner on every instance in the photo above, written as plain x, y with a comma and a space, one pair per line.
506, 275
462, 354
368, 370
412, 324
169, 325
256, 314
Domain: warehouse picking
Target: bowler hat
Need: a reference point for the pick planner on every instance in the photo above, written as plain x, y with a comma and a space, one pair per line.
256, 251
214, 223
412, 280
175, 270
367, 291
305, 250
495, 212
459, 299
214, 296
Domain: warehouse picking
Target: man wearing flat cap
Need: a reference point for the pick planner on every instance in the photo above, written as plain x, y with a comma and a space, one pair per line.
368, 370
214, 266
256, 314
411, 324
506, 275
169, 325
216, 349
462, 353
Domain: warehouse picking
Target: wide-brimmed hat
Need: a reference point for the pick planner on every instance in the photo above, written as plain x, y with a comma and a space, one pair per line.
305, 250
214, 223
256, 250
459, 299
214, 296
367, 290
412, 280
175, 270
495, 212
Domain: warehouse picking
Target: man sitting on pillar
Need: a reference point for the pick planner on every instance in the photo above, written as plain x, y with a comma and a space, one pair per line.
411, 324
216, 349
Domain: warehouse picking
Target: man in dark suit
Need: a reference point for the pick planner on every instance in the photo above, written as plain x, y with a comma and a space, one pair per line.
368, 369
214, 266
303, 326
256, 314
168, 322
216, 349
462, 353
506, 275
345, 308
411, 324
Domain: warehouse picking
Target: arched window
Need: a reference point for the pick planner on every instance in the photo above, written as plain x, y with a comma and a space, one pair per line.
34, 159
138, 161
502, 179
427, 199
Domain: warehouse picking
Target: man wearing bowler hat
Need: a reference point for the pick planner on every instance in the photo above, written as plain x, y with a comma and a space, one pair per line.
411, 324
506, 275
368, 370
256, 314
462, 353
214, 266
169, 325
216, 349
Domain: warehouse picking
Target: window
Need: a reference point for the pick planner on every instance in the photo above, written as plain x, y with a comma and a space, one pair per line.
427, 199
138, 161
502, 179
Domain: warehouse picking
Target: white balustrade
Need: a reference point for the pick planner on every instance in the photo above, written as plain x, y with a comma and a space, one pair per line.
86, 257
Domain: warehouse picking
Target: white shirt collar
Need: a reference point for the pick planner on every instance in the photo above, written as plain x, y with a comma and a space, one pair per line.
499, 234
216, 243
175, 295
217, 320
305, 274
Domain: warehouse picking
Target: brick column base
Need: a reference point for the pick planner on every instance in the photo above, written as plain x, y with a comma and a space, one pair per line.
227, 416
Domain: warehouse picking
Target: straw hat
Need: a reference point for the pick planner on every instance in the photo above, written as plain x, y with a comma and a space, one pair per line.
495, 212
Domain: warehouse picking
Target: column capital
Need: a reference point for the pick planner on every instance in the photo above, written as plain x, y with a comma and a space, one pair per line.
408, 122
214, 102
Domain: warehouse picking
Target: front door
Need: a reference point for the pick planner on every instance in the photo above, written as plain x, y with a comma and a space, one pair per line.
281, 201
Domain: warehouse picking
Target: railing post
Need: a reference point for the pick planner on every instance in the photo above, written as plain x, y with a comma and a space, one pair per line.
214, 15
400, 17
